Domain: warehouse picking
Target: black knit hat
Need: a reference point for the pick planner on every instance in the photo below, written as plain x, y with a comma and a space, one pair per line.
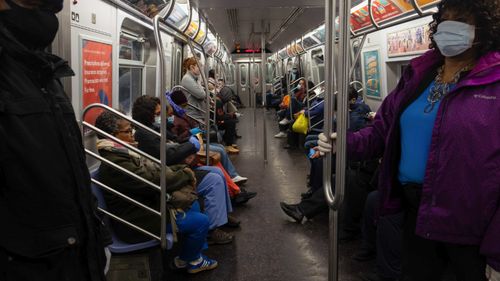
177, 153
178, 98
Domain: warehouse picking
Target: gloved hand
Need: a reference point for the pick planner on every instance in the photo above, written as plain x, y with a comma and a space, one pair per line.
195, 131
107, 252
491, 274
325, 144
195, 142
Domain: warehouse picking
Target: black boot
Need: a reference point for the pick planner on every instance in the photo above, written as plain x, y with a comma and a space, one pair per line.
292, 211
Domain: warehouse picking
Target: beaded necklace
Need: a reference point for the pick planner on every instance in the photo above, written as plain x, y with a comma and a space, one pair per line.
440, 88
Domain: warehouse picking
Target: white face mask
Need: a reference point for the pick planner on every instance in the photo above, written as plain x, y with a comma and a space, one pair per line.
299, 87
454, 37
158, 119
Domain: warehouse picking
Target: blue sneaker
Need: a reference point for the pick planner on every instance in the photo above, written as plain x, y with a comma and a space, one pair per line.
204, 264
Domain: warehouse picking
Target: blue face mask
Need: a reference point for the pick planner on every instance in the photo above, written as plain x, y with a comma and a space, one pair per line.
157, 121
454, 37
170, 119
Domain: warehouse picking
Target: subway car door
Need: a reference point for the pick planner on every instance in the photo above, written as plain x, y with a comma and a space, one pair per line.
255, 83
243, 82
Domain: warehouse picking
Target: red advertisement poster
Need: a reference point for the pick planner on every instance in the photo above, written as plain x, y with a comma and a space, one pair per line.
381, 9
385, 9
97, 76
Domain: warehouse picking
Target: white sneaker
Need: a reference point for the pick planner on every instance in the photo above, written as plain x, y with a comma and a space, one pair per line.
239, 179
280, 135
238, 115
285, 121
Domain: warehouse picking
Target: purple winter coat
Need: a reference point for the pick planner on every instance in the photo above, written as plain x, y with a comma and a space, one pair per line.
461, 191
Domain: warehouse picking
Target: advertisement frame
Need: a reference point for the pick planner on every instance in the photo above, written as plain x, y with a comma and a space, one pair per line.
81, 39
378, 73
425, 38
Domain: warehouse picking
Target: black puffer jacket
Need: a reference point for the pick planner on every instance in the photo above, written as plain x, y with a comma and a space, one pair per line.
47, 212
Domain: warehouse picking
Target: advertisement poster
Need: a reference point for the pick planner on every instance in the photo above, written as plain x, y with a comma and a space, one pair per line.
381, 9
371, 65
406, 5
97, 73
424, 3
410, 41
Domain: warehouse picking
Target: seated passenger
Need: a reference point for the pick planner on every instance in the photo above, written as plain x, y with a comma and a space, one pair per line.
360, 174
227, 94
225, 122
295, 103
212, 185
192, 224
183, 126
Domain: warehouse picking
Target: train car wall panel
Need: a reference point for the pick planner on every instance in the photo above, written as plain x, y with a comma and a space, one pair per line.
96, 21
389, 67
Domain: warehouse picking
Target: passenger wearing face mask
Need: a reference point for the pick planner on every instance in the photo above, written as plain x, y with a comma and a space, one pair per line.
438, 134
51, 229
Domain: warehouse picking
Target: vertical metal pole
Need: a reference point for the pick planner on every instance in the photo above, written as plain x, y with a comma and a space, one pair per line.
343, 106
163, 132
289, 91
330, 9
254, 91
263, 84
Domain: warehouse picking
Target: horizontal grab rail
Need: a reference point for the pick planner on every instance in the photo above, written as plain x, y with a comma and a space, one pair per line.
113, 138
116, 112
125, 197
131, 225
317, 86
118, 167
297, 80
317, 123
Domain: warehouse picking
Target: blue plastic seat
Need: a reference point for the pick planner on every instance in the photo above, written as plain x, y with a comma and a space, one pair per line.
119, 246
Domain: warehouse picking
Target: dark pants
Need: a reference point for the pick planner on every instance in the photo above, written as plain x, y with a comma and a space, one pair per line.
229, 127
315, 204
427, 260
383, 235
273, 101
316, 174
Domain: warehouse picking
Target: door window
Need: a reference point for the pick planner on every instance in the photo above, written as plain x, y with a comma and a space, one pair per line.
243, 74
130, 87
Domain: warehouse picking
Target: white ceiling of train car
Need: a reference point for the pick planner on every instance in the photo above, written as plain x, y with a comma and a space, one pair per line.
250, 14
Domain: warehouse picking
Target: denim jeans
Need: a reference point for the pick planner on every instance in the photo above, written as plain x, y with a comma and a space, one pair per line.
193, 225
226, 162
213, 188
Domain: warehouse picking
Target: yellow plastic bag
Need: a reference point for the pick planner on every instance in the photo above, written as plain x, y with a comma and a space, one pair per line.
301, 125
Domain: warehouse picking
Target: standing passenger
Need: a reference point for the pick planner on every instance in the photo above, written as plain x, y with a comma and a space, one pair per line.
50, 229
197, 96
439, 137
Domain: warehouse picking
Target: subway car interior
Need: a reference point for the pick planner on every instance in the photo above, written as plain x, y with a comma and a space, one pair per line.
235, 94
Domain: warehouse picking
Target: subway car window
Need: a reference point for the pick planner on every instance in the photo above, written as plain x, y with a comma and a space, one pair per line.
131, 48
130, 87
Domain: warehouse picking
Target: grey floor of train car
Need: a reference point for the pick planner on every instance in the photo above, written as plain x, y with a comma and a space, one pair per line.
269, 246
